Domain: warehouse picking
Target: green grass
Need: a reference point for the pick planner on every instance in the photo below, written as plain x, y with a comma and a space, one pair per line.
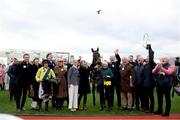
7, 106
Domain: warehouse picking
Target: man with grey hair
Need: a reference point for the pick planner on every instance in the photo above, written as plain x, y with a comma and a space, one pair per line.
164, 79
127, 74
138, 84
114, 66
105, 86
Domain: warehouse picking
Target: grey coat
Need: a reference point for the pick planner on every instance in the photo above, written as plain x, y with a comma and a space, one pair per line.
73, 76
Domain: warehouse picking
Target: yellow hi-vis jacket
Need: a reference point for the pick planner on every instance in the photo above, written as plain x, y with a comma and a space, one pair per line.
42, 71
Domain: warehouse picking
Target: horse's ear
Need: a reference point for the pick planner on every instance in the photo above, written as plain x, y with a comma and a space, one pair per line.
92, 49
98, 49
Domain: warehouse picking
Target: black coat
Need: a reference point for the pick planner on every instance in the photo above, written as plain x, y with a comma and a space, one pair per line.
11, 73
34, 82
34, 71
23, 74
69, 65
148, 77
115, 70
139, 75
84, 86
52, 64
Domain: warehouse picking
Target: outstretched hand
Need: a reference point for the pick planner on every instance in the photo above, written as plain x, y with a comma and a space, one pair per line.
116, 51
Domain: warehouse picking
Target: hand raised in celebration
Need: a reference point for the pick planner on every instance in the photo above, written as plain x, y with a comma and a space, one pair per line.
116, 51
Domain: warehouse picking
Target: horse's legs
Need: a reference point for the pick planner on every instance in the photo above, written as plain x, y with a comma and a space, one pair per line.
93, 92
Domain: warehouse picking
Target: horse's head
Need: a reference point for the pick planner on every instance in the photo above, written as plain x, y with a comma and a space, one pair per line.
96, 56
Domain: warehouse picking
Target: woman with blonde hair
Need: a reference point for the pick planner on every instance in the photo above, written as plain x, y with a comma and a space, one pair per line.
73, 82
61, 73
84, 87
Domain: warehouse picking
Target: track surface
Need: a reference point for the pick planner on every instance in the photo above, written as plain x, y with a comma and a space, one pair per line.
134, 117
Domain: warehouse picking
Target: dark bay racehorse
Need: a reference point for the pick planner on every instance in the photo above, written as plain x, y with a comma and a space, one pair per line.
94, 72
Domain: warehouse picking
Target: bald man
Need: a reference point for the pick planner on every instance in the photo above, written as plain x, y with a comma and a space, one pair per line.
163, 73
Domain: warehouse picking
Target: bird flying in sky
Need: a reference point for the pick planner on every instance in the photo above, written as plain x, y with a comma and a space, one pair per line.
98, 12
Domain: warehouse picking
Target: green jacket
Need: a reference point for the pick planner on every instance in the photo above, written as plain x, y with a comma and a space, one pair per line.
103, 72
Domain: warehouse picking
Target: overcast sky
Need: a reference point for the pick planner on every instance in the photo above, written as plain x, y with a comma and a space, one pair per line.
74, 26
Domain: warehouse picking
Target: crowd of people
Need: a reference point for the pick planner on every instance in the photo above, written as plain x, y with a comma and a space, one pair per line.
59, 81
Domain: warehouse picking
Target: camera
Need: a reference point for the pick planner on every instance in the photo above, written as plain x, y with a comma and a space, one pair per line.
177, 62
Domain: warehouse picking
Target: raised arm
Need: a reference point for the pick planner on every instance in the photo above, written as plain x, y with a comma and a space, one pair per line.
117, 56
